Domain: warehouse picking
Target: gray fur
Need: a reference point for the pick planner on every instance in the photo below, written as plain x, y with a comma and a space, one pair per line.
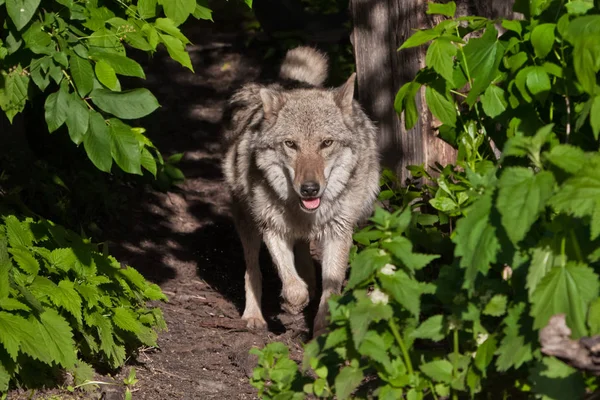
265, 176
304, 64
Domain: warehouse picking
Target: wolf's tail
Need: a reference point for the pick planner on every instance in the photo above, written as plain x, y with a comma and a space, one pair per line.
304, 64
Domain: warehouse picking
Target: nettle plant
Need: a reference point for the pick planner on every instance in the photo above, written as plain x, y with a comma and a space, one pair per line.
64, 303
512, 240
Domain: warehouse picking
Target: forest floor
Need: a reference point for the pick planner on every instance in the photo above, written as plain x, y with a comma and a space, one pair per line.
185, 241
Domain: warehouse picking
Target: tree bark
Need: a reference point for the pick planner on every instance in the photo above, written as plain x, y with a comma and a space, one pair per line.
379, 28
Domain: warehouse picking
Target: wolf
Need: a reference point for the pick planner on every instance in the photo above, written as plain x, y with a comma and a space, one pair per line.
301, 165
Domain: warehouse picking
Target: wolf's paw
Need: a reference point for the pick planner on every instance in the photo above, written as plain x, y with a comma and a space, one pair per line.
295, 298
255, 323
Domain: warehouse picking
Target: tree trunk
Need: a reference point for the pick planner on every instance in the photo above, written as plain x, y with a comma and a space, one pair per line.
380, 27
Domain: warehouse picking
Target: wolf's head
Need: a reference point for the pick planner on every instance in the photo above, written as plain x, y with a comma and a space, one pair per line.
307, 145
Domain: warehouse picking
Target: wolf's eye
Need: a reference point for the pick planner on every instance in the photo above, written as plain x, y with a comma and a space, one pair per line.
290, 143
326, 143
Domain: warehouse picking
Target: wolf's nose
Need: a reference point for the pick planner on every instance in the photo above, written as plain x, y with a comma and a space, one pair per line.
309, 189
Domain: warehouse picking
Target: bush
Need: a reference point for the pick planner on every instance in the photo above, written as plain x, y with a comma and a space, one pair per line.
64, 302
512, 240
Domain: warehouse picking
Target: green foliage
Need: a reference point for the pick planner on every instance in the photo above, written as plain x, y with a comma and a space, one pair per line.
450, 285
63, 300
72, 54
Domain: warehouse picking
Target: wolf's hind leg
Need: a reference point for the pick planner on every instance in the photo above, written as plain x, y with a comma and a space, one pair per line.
253, 278
295, 291
305, 266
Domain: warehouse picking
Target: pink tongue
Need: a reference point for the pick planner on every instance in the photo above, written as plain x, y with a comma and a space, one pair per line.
312, 203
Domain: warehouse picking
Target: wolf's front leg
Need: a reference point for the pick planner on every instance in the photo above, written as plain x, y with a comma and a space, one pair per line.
253, 278
334, 264
295, 290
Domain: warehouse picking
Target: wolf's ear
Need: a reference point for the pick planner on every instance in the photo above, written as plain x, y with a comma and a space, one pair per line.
272, 101
344, 95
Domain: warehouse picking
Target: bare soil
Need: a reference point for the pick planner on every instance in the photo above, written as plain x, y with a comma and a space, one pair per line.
185, 241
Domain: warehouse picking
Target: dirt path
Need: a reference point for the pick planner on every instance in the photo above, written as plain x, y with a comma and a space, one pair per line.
185, 241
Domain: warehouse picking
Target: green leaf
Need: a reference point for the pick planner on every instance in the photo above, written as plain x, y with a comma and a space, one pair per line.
538, 80
595, 117
440, 56
482, 56
21, 11
129, 104
120, 64
566, 157
493, 101
485, 354
578, 7
522, 196
419, 37
439, 371
49, 340
405, 290
19, 233
432, 328
11, 331
475, 239
580, 194
447, 9
107, 75
25, 260
542, 39
553, 379
66, 297
512, 25
148, 162
586, 52
176, 50
365, 312
347, 380
78, 118
178, 10
58, 337
513, 351
405, 101
147, 8
567, 290
97, 143
125, 148
167, 26
440, 106
14, 98
116, 353
401, 248
125, 319
83, 75
56, 108
542, 261
593, 318
5, 267
205, 13
374, 346
496, 307
365, 264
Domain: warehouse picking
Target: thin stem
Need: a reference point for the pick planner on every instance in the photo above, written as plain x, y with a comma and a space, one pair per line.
75, 89
432, 390
458, 93
455, 361
396, 333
